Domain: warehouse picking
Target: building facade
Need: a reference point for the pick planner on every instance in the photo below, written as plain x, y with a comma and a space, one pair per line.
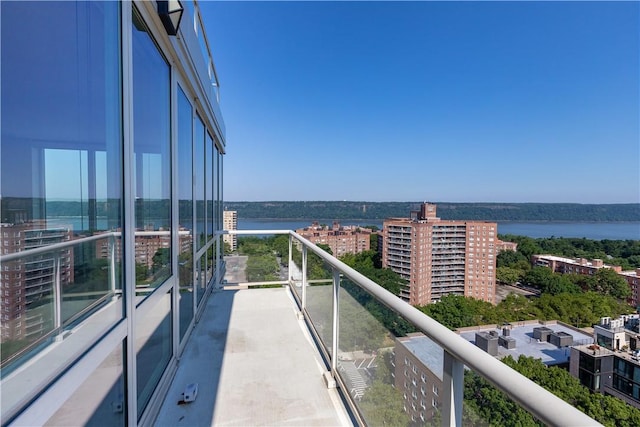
418, 376
611, 365
110, 119
230, 222
588, 267
349, 239
440, 257
29, 285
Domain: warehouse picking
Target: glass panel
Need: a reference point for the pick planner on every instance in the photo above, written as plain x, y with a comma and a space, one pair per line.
485, 405
185, 211
100, 400
153, 345
319, 295
152, 166
209, 183
211, 266
199, 169
201, 278
61, 176
294, 269
388, 373
219, 190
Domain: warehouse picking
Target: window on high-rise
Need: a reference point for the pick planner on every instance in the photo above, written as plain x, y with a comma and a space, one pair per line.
152, 158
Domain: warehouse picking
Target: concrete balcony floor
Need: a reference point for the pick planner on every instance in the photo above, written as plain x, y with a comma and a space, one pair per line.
255, 364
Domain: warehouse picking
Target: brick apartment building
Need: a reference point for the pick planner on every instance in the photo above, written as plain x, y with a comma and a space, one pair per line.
588, 267
342, 240
148, 243
418, 375
441, 257
27, 285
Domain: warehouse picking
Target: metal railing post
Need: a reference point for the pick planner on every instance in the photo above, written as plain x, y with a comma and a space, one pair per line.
304, 277
453, 383
112, 266
217, 280
57, 295
290, 274
336, 302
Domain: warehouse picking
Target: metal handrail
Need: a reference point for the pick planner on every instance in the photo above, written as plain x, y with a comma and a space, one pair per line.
74, 242
55, 247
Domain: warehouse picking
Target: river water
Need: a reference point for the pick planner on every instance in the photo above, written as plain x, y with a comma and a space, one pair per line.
589, 230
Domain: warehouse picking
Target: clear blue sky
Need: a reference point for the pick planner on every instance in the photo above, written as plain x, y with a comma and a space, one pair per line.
441, 101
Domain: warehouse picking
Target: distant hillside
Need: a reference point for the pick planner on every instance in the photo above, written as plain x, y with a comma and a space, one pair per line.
327, 210
572, 212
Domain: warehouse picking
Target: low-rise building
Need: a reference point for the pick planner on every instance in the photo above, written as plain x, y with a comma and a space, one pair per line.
587, 267
610, 366
348, 239
506, 246
549, 341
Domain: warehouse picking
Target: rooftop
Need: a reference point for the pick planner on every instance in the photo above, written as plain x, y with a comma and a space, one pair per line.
527, 345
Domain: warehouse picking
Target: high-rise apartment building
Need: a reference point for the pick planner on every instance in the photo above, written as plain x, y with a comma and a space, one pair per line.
28, 285
441, 257
230, 222
342, 240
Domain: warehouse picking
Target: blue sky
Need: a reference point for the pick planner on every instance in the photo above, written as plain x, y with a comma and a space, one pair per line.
441, 101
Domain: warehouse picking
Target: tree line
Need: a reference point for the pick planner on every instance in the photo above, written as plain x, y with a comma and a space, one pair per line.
356, 210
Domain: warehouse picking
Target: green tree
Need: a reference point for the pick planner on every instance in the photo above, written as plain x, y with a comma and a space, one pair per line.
511, 259
508, 275
608, 282
382, 405
325, 248
160, 259
455, 311
608, 410
141, 273
487, 404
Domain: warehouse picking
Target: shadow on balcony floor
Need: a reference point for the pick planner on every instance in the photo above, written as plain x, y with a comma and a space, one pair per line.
255, 365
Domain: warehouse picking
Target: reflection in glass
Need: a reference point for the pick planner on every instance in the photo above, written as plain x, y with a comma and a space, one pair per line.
61, 170
152, 166
153, 344
218, 194
100, 400
185, 211
199, 170
201, 277
209, 183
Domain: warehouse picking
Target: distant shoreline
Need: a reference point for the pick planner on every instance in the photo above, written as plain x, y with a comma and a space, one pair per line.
541, 221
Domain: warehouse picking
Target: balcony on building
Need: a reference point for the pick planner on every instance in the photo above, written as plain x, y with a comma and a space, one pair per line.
118, 306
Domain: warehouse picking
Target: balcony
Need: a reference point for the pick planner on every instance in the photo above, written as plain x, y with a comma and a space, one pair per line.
330, 315
319, 348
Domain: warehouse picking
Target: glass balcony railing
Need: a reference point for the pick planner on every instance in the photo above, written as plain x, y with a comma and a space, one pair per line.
393, 364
